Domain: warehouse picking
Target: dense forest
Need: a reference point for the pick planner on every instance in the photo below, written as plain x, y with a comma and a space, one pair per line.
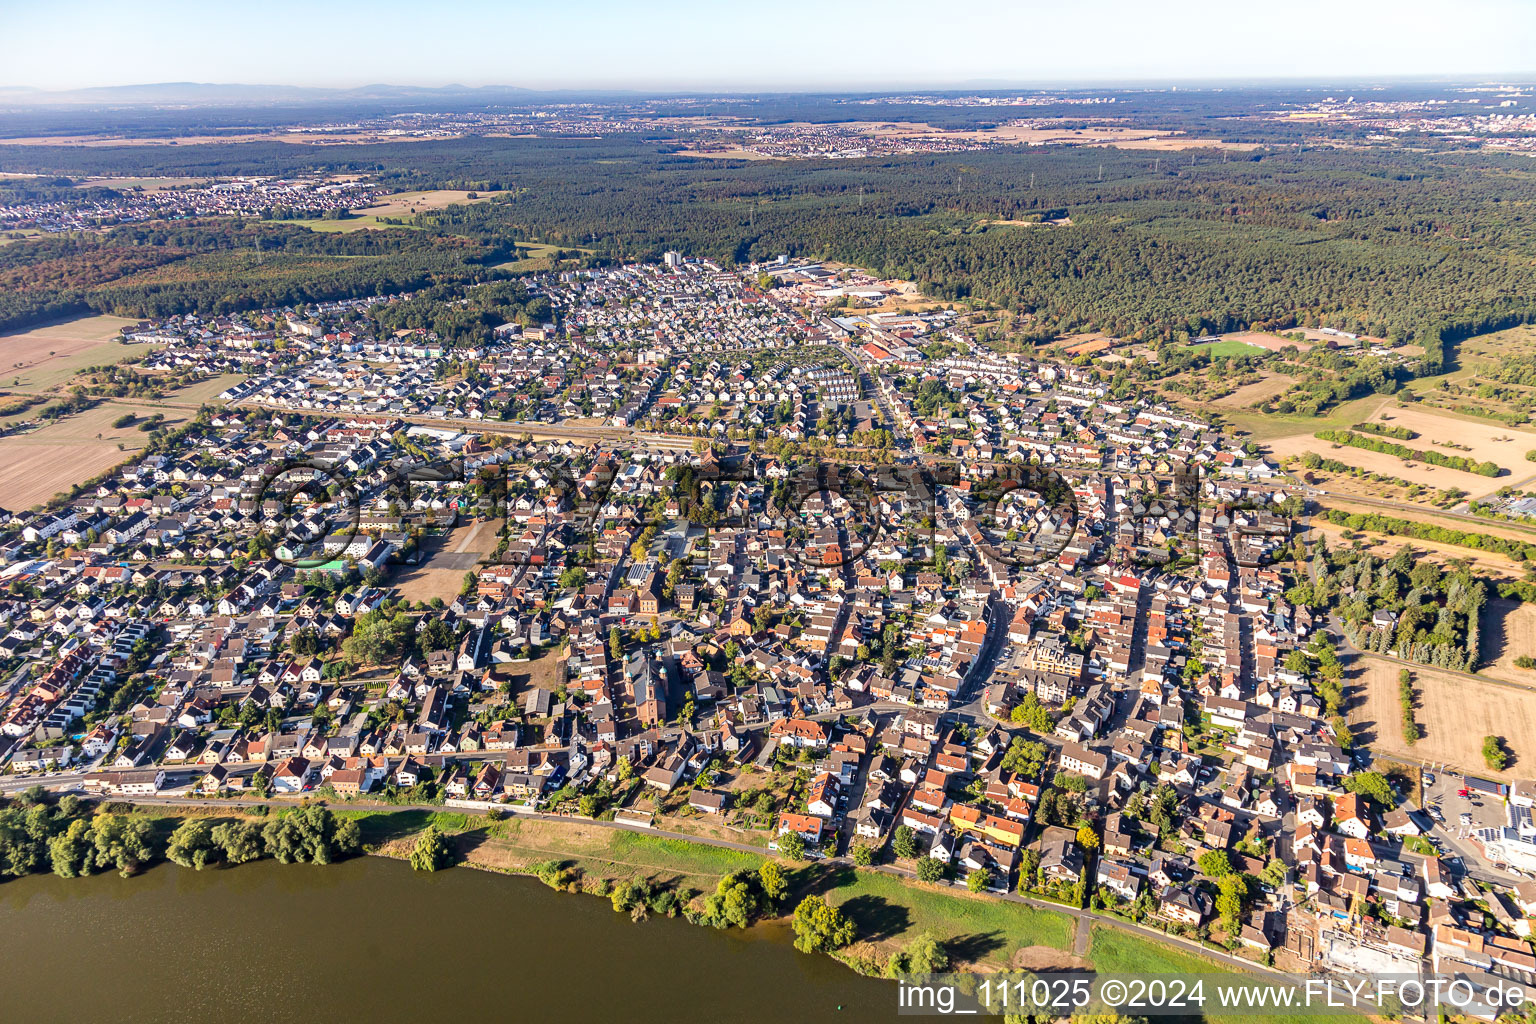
1384, 242
222, 266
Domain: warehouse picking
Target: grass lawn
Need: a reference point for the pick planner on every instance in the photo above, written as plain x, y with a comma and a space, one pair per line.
514, 844
1230, 348
1113, 950
356, 222
891, 911
205, 391
1118, 952
535, 256
1266, 425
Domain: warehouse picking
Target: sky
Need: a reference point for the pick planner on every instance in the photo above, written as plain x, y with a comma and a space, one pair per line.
738, 46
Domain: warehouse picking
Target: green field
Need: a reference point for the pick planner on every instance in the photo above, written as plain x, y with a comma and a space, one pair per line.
1263, 426
356, 222
1229, 349
1114, 951
535, 256
981, 929
204, 391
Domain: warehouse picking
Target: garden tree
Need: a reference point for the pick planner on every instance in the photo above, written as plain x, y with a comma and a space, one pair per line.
305, 643
378, 637
1373, 785
1274, 873
623, 769
1494, 755
573, 578
192, 845
820, 928
240, 841
1029, 711
904, 842
1024, 757
863, 854
792, 845
431, 850
771, 877
1215, 863
1029, 868
930, 869
1231, 894
734, 903
434, 634
588, 806
310, 835
1087, 838
978, 880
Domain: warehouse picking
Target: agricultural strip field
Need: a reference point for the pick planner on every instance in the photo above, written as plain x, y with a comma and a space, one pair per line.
46, 357
1453, 711
1508, 631
36, 465
1391, 465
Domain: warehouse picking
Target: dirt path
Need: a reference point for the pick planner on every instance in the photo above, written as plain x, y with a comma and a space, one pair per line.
469, 538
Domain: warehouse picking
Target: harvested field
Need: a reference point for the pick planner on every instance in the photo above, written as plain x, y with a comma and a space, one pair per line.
1508, 631
36, 465
1391, 465
1316, 334
1489, 442
29, 476
45, 357
1251, 394
1454, 713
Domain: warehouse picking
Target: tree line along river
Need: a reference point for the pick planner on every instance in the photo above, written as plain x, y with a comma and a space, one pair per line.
368, 940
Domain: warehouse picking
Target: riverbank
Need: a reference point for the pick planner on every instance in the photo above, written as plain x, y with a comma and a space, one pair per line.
888, 908
981, 931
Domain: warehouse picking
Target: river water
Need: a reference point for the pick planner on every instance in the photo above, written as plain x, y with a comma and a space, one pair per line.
368, 940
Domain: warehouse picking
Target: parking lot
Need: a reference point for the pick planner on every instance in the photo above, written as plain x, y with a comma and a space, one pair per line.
1458, 814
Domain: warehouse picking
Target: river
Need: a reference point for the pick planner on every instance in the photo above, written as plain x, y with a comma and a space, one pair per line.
369, 940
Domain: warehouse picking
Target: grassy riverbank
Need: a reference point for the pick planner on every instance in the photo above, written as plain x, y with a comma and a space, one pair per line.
889, 912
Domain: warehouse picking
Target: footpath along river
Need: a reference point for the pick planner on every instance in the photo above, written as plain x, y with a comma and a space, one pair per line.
372, 942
